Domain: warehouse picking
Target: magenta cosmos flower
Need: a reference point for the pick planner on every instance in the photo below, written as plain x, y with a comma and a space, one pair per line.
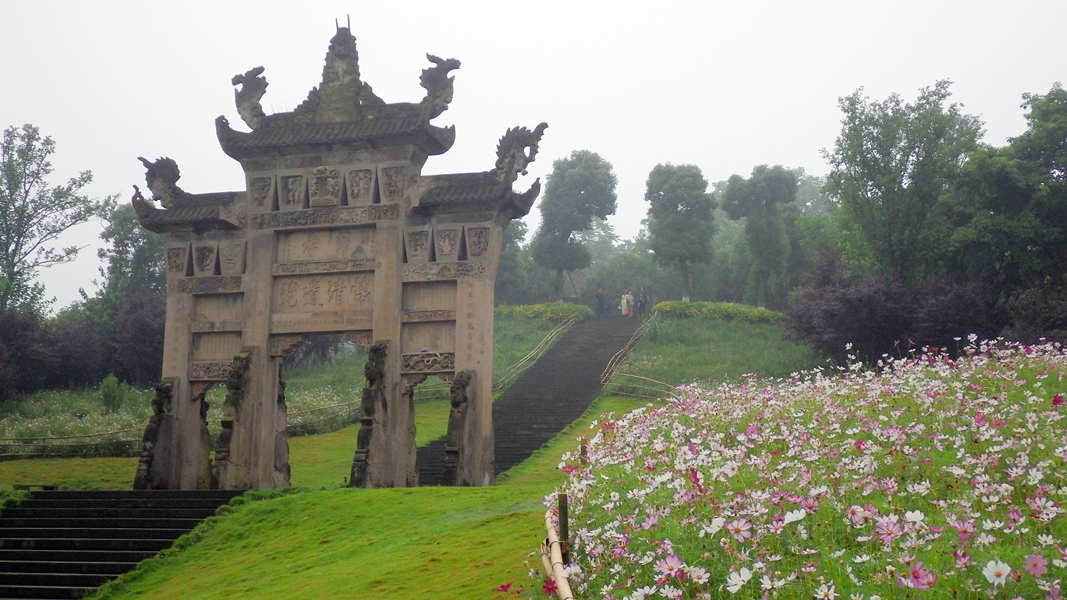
740, 529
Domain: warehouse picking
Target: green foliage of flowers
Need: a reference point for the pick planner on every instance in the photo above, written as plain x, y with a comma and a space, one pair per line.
552, 311
928, 478
723, 311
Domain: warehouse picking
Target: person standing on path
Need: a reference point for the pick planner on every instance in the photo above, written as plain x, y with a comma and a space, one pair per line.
624, 306
642, 302
600, 302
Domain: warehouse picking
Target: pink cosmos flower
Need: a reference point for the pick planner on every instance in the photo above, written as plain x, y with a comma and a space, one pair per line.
1057, 400
917, 577
887, 529
962, 560
740, 529
1035, 564
671, 566
966, 527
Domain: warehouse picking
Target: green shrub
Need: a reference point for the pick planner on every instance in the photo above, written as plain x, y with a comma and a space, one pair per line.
721, 311
553, 311
112, 393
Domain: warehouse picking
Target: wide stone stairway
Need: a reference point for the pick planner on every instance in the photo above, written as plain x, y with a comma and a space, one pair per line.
67, 544
550, 395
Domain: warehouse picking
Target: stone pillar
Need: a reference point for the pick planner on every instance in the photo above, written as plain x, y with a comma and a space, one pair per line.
180, 459
250, 450
474, 351
391, 450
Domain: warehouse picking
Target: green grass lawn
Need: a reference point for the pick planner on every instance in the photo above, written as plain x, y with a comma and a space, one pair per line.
709, 350
434, 542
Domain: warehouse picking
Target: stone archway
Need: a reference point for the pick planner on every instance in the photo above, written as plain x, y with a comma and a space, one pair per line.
337, 231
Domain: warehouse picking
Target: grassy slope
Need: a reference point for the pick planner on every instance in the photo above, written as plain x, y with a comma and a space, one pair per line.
701, 349
396, 543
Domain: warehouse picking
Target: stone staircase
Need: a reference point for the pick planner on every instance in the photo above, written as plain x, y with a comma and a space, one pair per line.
67, 544
550, 395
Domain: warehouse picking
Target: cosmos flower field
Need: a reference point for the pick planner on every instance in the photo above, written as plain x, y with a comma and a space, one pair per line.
926, 477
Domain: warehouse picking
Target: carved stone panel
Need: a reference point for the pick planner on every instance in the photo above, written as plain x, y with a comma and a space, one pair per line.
347, 243
205, 255
261, 194
477, 241
282, 345
210, 326
324, 188
201, 388
321, 322
292, 192
206, 285
424, 316
216, 346
302, 267
323, 293
446, 243
360, 187
443, 271
219, 307
431, 336
431, 295
353, 215
178, 260
417, 245
392, 182
210, 371
232, 257
428, 362
361, 338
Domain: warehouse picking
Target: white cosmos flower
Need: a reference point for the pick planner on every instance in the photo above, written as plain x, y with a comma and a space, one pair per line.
794, 516
914, 516
736, 579
996, 572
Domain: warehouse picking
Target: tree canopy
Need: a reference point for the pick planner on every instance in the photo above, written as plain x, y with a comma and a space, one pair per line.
760, 199
580, 188
33, 215
681, 218
890, 165
1006, 220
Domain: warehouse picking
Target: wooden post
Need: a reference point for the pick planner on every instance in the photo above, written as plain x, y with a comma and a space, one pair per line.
564, 530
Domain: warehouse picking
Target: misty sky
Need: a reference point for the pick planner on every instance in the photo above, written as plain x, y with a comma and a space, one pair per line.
723, 85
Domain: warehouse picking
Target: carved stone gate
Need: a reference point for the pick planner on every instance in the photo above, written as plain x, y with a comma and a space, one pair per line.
338, 231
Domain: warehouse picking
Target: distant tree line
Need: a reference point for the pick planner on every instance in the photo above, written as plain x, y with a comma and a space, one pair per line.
919, 235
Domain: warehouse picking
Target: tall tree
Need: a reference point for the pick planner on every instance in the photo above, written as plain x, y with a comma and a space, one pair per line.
135, 256
580, 188
761, 199
33, 215
1007, 215
681, 218
890, 165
